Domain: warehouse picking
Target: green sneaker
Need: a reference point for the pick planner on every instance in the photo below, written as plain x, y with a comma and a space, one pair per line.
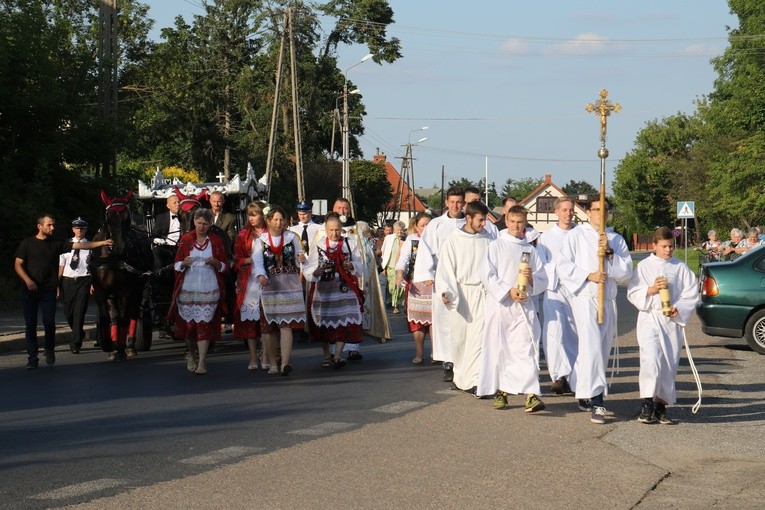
500, 400
534, 404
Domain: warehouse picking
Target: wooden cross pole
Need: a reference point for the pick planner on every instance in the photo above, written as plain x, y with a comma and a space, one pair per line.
602, 108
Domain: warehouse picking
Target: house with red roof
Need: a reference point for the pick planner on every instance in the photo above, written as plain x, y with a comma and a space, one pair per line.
404, 203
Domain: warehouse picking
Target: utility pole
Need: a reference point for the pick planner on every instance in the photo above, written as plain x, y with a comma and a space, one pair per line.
107, 86
286, 38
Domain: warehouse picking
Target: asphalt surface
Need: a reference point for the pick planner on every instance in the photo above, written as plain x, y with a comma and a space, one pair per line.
378, 434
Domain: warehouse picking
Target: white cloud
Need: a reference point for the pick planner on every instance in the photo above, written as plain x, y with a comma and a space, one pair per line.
515, 46
583, 44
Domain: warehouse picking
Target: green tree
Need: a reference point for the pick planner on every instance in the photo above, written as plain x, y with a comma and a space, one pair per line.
520, 188
371, 189
579, 188
736, 113
652, 178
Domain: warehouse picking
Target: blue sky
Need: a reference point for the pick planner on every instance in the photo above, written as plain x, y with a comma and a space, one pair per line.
509, 80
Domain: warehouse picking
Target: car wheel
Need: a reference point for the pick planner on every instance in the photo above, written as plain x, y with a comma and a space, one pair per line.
755, 332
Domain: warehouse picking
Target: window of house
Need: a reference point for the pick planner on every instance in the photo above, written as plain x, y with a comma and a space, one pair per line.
545, 205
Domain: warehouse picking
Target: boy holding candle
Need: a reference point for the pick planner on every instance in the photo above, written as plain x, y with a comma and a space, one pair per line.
512, 273
664, 291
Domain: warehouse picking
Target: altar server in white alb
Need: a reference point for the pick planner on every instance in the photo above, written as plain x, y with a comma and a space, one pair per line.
664, 290
512, 273
578, 271
459, 289
559, 329
425, 272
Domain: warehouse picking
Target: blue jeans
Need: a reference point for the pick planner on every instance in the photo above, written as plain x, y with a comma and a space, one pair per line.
45, 300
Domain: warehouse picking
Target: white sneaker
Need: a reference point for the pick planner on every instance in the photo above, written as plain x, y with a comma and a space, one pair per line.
598, 415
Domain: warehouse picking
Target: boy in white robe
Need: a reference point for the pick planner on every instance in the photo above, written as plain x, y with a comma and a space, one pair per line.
433, 237
578, 271
510, 354
660, 335
559, 329
459, 288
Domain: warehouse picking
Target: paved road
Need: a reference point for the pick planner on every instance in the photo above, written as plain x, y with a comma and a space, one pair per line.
380, 434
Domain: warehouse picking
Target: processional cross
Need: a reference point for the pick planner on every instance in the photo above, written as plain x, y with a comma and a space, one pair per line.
602, 107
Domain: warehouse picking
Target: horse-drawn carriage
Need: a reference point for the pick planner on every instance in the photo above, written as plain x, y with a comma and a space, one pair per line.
136, 291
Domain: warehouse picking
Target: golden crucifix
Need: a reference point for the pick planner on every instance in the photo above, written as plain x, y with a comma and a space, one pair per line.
602, 107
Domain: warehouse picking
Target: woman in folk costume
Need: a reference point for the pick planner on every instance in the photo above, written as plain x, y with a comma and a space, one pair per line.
276, 262
391, 249
335, 300
418, 296
247, 313
199, 293
660, 325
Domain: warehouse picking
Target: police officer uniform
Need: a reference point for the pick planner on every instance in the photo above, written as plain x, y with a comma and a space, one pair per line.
75, 286
306, 232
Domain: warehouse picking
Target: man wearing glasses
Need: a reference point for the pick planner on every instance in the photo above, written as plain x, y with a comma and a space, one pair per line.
578, 270
75, 284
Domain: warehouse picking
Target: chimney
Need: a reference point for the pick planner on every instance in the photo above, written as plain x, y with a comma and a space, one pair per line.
379, 158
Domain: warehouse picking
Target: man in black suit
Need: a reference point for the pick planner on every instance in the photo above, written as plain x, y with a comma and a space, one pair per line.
223, 220
166, 231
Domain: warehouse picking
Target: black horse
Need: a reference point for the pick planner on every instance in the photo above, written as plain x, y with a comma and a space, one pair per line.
118, 279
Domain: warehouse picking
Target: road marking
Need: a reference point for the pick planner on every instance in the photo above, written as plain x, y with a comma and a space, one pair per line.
399, 407
222, 455
81, 489
323, 428
448, 392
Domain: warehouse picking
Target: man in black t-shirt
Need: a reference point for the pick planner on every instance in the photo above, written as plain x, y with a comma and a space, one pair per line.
36, 263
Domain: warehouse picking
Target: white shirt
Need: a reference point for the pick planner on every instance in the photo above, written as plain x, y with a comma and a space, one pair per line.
66, 258
174, 231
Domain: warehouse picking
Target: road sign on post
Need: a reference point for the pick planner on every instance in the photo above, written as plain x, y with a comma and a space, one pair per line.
686, 210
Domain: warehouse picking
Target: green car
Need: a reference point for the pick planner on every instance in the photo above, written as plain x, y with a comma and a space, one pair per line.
733, 299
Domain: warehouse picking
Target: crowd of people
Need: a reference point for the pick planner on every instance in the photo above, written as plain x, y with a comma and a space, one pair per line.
716, 250
483, 290
490, 300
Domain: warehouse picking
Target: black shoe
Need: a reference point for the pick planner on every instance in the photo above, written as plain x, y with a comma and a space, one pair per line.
646, 412
286, 369
557, 387
338, 363
355, 356
32, 364
660, 415
74, 349
448, 374
50, 357
585, 405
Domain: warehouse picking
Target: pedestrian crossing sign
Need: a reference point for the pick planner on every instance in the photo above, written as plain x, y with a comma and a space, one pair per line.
686, 210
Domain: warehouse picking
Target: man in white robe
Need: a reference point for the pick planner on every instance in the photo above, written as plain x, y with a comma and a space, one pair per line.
510, 353
458, 286
660, 336
473, 194
578, 271
433, 237
558, 329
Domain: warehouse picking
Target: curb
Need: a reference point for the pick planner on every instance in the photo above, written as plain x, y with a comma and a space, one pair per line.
17, 341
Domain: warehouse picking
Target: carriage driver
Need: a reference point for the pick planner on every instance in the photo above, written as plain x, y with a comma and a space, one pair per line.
166, 231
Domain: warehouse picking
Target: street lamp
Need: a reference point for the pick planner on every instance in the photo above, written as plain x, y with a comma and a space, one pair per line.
346, 193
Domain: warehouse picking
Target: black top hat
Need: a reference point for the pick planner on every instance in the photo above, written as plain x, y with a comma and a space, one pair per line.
304, 206
80, 223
